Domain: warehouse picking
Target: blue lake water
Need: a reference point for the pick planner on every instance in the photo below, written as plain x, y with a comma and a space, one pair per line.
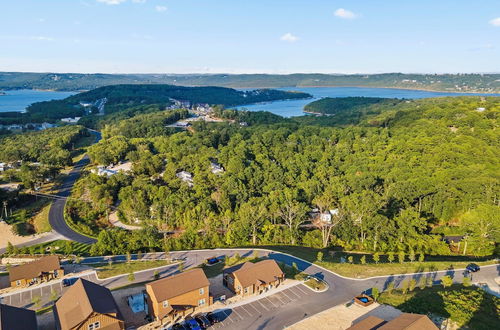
18, 100
294, 108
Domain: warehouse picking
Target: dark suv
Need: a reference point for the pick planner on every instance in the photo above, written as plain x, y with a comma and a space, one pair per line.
473, 268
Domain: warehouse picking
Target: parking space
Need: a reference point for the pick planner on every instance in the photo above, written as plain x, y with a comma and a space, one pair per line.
45, 291
254, 310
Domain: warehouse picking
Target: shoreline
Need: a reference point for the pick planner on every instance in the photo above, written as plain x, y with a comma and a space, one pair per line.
276, 87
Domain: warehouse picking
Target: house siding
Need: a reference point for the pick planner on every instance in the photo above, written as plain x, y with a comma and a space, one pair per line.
41, 279
107, 322
191, 298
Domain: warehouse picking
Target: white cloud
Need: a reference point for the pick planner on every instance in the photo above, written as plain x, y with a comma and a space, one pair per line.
289, 37
344, 13
111, 2
495, 21
138, 1
161, 9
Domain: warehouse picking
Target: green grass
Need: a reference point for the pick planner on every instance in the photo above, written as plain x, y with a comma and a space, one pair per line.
57, 247
469, 307
44, 310
106, 270
384, 267
315, 284
41, 220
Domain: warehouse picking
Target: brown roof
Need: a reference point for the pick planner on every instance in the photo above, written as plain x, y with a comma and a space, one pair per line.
371, 322
262, 272
14, 318
176, 285
82, 300
410, 322
35, 268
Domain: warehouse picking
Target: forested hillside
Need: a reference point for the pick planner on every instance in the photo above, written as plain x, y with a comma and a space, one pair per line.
123, 97
487, 83
398, 176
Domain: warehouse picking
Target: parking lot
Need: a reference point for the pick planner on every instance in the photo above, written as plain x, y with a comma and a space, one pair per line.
44, 291
254, 310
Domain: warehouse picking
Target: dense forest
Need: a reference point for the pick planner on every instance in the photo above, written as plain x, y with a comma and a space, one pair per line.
123, 97
395, 178
487, 83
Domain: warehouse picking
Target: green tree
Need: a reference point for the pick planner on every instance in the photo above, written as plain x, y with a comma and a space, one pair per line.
319, 257
421, 257
350, 259
10, 249
466, 281
376, 257
390, 257
375, 293
363, 260
156, 275
390, 287
405, 286
131, 276
446, 281
36, 301
422, 282
412, 284
401, 256
53, 295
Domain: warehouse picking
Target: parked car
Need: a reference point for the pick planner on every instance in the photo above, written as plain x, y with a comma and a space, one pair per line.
177, 326
192, 324
202, 321
212, 261
213, 318
69, 281
473, 268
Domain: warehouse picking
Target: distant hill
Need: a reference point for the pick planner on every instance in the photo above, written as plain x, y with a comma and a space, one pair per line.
121, 97
485, 83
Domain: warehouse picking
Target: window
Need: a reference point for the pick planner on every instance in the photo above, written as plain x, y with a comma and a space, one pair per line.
165, 304
201, 302
246, 290
202, 291
95, 325
18, 283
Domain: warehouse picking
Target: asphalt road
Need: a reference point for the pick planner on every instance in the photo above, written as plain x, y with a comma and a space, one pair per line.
56, 212
273, 312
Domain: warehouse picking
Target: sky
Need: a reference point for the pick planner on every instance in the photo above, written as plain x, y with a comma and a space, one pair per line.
243, 36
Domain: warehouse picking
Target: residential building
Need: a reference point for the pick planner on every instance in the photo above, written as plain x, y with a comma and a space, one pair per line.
15, 318
216, 168
178, 295
70, 120
249, 278
405, 321
186, 177
35, 272
87, 306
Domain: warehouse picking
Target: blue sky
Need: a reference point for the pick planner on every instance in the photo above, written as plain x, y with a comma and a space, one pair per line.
250, 36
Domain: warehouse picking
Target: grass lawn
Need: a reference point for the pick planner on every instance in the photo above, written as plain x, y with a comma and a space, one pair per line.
106, 270
41, 220
358, 270
315, 284
58, 247
469, 307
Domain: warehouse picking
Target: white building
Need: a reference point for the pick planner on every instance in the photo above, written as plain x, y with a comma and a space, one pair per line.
216, 168
71, 120
186, 177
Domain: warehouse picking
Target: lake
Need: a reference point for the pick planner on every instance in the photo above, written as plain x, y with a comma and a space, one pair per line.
294, 108
18, 100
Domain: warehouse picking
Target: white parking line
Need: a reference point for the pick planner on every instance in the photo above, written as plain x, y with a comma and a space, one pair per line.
270, 301
301, 290
237, 314
263, 306
293, 293
277, 296
253, 307
284, 292
246, 311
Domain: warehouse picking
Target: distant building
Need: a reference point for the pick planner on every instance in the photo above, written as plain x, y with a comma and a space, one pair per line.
14, 318
87, 306
216, 168
70, 120
186, 177
178, 295
249, 278
480, 109
405, 321
35, 272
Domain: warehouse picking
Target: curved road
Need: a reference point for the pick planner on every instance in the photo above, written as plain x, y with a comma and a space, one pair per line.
341, 289
56, 212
